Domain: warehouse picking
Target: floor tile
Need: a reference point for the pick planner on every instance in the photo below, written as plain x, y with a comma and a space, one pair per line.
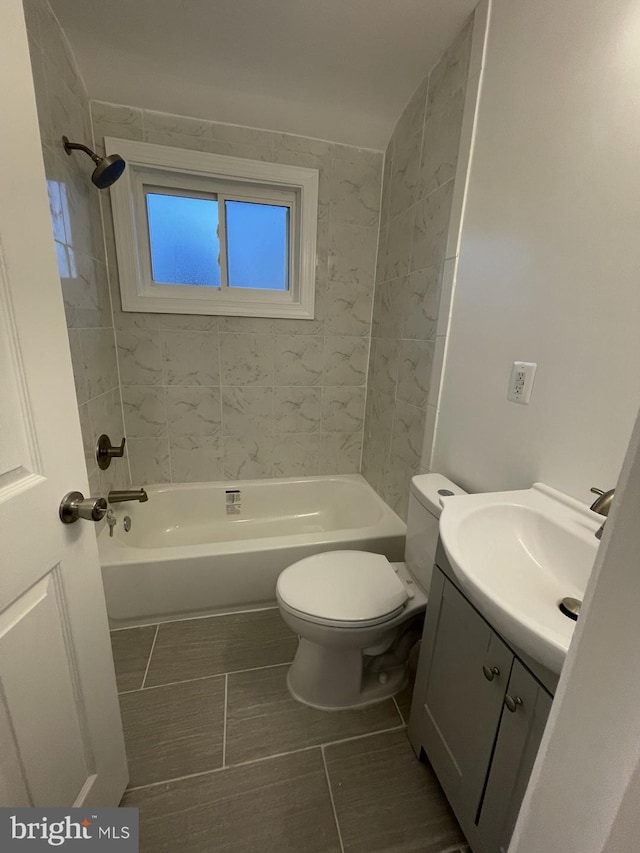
403, 700
199, 647
273, 806
263, 719
173, 731
131, 648
386, 800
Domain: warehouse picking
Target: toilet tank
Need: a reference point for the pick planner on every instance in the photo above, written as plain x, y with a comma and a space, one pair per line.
422, 524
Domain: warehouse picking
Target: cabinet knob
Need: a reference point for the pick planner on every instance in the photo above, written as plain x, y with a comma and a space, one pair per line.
512, 703
490, 672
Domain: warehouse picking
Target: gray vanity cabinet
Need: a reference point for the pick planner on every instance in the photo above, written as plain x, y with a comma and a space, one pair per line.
461, 698
482, 752
516, 748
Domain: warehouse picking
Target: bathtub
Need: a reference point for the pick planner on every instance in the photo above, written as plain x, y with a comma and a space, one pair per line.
205, 548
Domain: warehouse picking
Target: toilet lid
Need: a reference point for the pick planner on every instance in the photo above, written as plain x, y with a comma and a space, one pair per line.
342, 586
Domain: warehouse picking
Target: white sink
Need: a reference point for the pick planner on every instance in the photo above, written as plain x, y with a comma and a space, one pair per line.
517, 555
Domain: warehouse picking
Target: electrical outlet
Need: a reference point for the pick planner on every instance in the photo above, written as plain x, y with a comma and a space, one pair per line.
521, 381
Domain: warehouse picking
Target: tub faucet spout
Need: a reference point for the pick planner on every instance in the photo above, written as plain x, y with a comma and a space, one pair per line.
119, 495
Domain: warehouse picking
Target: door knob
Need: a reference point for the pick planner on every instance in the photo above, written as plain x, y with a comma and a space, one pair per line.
74, 505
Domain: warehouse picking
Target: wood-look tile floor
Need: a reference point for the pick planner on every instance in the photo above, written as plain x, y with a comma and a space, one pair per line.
222, 758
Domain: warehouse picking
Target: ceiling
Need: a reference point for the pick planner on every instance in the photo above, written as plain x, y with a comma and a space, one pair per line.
334, 69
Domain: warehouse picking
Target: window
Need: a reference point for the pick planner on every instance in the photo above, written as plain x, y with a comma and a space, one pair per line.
201, 233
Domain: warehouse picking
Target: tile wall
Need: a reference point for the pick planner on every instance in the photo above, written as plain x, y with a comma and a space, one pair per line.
209, 398
63, 108
415, 264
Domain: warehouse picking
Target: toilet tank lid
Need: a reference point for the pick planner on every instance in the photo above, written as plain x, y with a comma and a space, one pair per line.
426, 487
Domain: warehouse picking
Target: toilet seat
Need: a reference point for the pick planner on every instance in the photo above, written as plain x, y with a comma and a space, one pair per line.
342, 589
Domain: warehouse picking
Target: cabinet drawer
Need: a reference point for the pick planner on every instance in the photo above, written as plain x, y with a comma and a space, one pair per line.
517, 745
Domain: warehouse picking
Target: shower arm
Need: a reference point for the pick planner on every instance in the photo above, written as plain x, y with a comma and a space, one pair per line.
77, 146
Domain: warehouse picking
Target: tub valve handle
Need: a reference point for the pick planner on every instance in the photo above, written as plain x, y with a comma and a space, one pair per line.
105, 451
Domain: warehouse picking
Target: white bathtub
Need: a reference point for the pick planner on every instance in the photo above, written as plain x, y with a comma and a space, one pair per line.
192, 549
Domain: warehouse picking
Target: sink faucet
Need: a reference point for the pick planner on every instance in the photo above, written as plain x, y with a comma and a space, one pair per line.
119, 495
602, 505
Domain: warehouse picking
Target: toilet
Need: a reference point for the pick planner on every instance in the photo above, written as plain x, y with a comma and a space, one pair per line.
357, 615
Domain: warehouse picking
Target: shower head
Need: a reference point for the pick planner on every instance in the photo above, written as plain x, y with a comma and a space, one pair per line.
107, 170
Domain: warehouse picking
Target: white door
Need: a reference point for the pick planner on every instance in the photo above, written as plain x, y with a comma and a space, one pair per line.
61, 738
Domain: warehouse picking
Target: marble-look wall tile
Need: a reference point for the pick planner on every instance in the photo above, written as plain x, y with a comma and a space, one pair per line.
412, 119
195, 459
251, 325
378, 431
181, 322
340, 452
385, 363
422, 304
298, 360
342, 409
149, 460
270, 373
193, 411
98, 360
247, 411
348, 309
105, 413
441, 141
355, 191
297, 410
246, 359
190, 358
116, 120
408, 431
431, 228
177, 140
345, 361
169, 123
139, 357
145, 414
352, 253
452, 71
390, 308
412, 298
404, 173
397, 256
295, 455
247, 457
414, 372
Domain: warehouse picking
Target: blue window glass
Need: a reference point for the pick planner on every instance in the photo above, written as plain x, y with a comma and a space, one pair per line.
257, 245
183, 238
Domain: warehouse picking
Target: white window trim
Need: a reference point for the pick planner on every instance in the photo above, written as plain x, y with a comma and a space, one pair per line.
295, 185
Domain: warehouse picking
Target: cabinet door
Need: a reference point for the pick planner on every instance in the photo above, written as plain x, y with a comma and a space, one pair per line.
519, 737
455, 717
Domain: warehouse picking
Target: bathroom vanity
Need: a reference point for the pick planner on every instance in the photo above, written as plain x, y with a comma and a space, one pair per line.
479, 709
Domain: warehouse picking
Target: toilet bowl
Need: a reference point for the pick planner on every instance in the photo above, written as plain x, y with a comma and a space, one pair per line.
357, 615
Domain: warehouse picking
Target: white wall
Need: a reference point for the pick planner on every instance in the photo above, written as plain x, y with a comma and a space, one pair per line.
550, 255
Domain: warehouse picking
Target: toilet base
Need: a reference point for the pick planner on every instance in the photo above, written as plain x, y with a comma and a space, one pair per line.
336, 679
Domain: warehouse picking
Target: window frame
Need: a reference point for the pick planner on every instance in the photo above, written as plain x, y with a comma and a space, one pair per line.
198, 173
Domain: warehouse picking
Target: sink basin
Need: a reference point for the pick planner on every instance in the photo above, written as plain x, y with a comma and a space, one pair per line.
517, 555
